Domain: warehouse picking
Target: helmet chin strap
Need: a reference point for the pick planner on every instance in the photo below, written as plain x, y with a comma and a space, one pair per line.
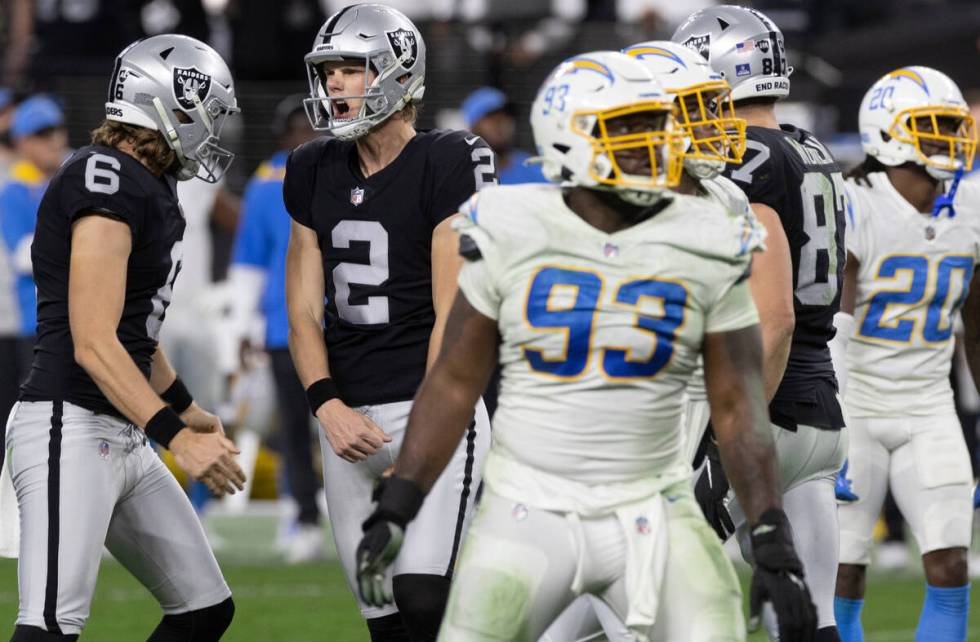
945, 201
703, 169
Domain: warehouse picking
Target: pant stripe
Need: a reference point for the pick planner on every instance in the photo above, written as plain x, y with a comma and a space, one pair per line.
463, 496
54, 519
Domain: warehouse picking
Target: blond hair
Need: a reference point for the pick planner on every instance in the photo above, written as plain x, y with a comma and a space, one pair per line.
148, 145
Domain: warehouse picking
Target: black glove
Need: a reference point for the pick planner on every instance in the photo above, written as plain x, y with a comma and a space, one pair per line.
399, 500
778, 579
711, 491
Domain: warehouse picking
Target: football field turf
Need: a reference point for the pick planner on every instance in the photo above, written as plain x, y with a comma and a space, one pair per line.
310, 602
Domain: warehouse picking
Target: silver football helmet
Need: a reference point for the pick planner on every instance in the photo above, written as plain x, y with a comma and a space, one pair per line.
741, 44
391, 48
181, 87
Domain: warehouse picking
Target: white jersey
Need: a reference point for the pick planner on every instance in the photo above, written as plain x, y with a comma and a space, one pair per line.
914, 275
600, 334
733, 199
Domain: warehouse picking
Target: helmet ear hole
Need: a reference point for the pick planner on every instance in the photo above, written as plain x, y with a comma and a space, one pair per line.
182, 117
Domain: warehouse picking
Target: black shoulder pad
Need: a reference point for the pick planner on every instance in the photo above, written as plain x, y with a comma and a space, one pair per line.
468, 248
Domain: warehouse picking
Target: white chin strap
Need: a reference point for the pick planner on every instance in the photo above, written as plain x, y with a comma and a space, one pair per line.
940, 173
703, 169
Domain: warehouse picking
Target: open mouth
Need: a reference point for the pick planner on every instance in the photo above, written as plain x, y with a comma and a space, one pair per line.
341, 110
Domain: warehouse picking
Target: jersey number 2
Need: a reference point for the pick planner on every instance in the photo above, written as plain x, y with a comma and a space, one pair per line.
375, 311
577, 320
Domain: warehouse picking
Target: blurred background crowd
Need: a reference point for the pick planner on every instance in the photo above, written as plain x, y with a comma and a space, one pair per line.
226, 327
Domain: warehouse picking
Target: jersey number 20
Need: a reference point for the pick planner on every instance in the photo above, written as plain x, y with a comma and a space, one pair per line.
938, 326
577, 321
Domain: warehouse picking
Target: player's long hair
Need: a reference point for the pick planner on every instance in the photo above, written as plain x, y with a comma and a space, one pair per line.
860, 172
149, 146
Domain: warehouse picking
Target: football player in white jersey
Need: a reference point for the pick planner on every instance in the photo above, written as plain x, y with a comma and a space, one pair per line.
713, 136
604, 291
909, 270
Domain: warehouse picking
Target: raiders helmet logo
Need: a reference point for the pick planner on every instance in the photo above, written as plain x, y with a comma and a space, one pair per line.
700, 44
188, 83
405, 46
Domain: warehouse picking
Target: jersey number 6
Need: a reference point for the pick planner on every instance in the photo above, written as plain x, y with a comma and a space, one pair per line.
577, 322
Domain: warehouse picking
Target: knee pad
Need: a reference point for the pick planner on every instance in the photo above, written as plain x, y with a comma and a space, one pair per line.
203, 625
24, 633
421, 600
387, 629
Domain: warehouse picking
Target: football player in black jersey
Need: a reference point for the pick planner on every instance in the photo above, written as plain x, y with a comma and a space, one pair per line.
371, 231
106, 253
797, 191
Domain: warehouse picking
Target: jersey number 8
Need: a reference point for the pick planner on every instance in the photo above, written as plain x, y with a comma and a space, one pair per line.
577, 322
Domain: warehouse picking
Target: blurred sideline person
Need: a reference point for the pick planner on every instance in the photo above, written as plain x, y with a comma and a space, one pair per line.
605, 290
705, 117
189, 337
106, 254
910, 267
37, 131
10, 361
257, 278
797, 192
370, 232
489, 115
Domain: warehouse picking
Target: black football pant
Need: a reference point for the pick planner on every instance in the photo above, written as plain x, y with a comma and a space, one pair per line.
294, 414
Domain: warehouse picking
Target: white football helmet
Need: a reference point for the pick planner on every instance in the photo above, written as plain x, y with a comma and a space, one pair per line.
704, 109
918, 115
741, 44
181, 87
571, 118
390, 46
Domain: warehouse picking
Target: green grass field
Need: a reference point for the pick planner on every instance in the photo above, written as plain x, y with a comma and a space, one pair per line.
306, 603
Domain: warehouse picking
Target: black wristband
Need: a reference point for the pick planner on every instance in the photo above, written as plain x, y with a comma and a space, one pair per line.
399, 501
177, 396
162, 426
320, 392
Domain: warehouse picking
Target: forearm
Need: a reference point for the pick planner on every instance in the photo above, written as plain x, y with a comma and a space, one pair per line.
748, 456
971, 345
162, 374
115, 373
777, 340
442, 411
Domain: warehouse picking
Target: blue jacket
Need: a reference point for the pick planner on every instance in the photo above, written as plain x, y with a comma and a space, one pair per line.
261, 241
19, 200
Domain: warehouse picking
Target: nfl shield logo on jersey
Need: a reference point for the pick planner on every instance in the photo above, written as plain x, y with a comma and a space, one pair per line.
642, 525
189, 82
357, 196
104, 449
405, 46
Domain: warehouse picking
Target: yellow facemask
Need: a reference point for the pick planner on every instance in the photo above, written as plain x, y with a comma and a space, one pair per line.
706, 115
663, 146
918, 125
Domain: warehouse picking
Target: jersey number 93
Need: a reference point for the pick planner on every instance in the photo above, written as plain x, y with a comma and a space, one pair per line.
577, 321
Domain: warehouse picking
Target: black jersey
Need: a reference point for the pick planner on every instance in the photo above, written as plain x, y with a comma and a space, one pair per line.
792, 172
375, 234
112, 183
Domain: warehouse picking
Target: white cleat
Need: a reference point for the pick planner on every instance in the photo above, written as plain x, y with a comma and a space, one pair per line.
306, 545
